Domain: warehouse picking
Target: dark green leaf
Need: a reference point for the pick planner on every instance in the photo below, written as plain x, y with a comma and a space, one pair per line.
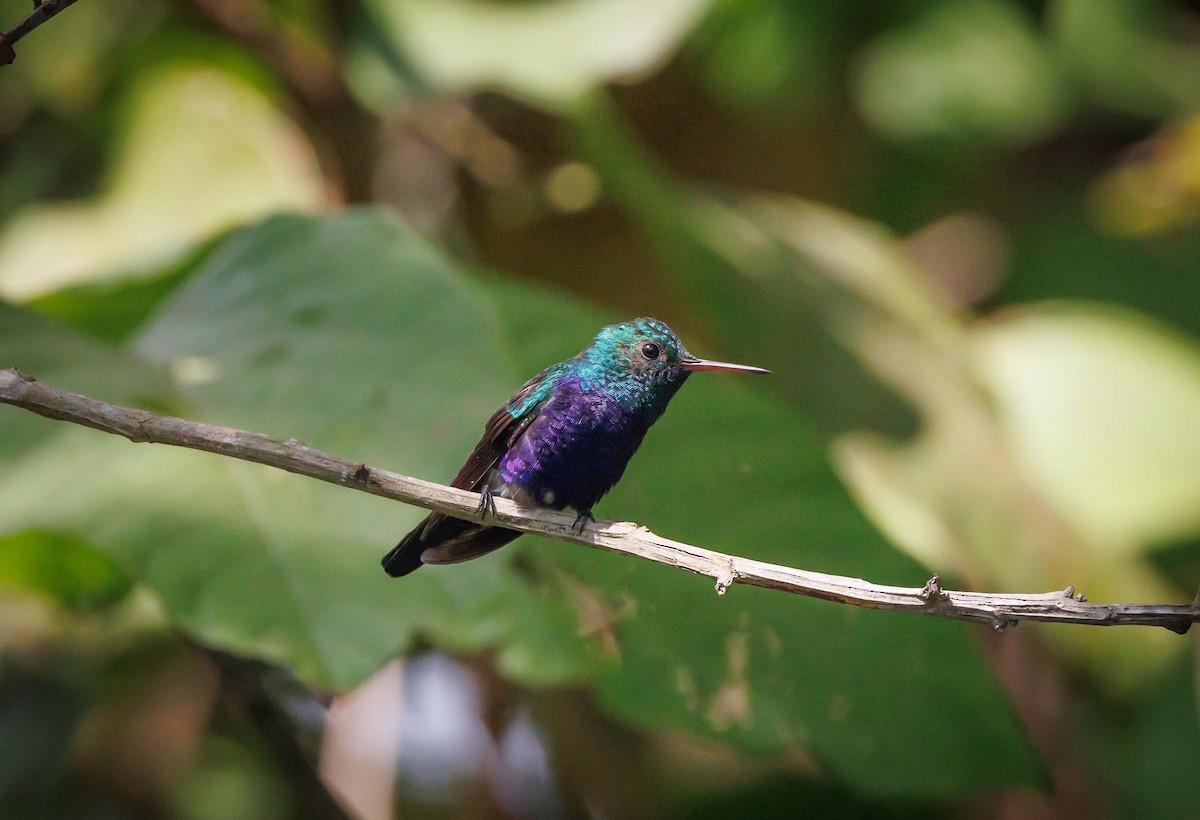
61, 567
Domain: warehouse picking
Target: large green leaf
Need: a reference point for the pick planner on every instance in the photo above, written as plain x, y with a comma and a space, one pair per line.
73, 361
348, 334
354, 335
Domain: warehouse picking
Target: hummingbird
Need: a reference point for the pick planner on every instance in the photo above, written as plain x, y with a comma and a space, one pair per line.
563, 440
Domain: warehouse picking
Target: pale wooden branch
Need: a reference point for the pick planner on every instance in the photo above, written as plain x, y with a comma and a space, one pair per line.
43, 10
999, 610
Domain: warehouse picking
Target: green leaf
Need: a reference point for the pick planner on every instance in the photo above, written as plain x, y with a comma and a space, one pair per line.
63, 568
766, 301
774, 56
1068, 377
964, 70
73, 361
113, 310
1137, 749
1130, 56
348, 333
786, 798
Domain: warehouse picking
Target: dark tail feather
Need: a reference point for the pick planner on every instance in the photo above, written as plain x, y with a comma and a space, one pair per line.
443, 540
405, 556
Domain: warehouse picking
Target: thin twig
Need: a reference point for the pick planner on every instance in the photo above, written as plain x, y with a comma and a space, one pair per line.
42, 12
1000, 610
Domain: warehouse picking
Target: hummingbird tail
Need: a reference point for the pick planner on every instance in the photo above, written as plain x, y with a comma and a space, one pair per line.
405, 556
442, 540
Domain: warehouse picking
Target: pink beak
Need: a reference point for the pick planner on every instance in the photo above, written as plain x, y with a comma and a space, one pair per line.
692, 364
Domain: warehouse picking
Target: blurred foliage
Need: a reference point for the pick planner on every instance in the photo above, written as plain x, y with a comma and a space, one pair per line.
222, 157
551, 53
964, 70
963, 235
261, 337
69, 571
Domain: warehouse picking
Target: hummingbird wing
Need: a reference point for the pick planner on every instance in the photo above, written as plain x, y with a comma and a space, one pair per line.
459, 540
502, 431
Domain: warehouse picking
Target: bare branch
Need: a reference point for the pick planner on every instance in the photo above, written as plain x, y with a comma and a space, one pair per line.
999, 610
42, 11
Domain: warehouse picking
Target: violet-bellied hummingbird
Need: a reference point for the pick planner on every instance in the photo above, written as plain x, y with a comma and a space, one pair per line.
563, 440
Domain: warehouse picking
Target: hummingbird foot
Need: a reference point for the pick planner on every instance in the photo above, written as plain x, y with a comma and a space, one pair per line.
581, 521
487, 504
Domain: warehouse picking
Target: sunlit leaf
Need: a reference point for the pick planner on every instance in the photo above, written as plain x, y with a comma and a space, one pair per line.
550, 53
201, 151
1157, 190
959, 496
1102, 409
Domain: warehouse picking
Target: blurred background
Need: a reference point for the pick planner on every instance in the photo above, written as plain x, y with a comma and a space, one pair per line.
964, 234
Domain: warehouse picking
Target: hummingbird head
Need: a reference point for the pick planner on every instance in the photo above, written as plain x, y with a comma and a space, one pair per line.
644, 362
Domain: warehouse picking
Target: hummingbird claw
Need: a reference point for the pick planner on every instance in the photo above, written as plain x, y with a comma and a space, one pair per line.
487, 504
581, 521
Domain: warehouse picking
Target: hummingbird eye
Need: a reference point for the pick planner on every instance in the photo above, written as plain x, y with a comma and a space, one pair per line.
650, 350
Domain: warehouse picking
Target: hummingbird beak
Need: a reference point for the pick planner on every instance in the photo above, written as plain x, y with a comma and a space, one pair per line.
691, 364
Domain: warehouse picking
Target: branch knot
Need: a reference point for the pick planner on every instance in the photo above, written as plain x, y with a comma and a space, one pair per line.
725, 576
932, 593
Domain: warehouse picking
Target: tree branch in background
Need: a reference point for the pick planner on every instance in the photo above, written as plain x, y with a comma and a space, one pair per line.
999, 610
42, 11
